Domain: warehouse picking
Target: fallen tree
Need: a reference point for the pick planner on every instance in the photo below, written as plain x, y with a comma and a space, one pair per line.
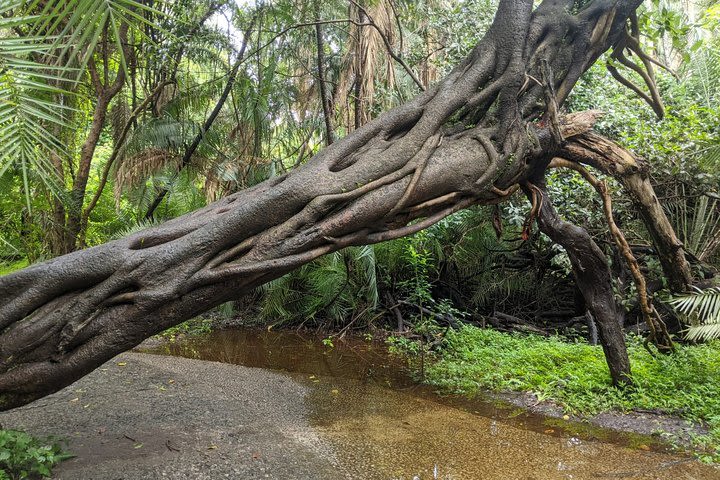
490, 126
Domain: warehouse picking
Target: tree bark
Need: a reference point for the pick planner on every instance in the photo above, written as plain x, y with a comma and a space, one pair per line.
633, 173
105, 91
592, 276
324, 96
87, 151
460, 143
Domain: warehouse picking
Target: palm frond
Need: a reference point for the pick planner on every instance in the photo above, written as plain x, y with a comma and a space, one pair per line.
28, 112
702, 310
139, 167
80, 24
366, 258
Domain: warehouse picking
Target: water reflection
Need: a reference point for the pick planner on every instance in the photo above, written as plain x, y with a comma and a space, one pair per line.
383, 425
294, 352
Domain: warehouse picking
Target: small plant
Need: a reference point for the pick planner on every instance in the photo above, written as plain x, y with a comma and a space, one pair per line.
23, 456
328, 342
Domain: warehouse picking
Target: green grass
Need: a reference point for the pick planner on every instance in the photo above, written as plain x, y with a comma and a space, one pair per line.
6, 268
575, 375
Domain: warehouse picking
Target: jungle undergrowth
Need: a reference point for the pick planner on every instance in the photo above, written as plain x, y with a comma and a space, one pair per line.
26, 457
575, 376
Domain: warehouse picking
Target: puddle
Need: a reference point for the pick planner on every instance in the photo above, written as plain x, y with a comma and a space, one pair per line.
383, 425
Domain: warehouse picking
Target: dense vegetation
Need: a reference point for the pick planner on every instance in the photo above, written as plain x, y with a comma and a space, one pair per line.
167, 106
25, 457
573, 375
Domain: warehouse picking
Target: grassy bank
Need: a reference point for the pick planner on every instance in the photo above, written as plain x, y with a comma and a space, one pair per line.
575, 376
6, 268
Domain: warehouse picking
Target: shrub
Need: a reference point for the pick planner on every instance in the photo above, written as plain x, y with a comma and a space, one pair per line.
25, 457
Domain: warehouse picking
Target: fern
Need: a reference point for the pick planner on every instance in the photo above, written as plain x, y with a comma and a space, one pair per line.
702, 309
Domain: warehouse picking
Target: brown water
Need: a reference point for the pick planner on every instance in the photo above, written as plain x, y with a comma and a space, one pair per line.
383, 425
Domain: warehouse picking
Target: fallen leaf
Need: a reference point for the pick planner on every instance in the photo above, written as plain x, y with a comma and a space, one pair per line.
549, 430
644, 447
566, 417
138, 445
212, 447
122, 364
75, 399
171, 381
85, 406
334, 391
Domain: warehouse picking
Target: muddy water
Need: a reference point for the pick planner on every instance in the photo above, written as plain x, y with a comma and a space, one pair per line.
382, 425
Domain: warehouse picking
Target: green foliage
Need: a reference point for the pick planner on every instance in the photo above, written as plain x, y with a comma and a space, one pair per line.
702, 309
575, 375
13, 266
417, 285
23, 456
194, 326
28, 110
333, 288
80, 24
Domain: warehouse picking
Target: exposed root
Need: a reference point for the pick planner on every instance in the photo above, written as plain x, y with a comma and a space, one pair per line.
552, 111
120, 299
659, 334
537, 202
494, 160
447, 198
233, 253
421, 161
503, 194
422, 224
631, 42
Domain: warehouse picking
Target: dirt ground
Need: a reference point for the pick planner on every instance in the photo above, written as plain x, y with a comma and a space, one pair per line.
146, 417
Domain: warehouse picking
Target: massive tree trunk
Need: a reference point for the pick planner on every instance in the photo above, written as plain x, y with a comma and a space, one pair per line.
489, 125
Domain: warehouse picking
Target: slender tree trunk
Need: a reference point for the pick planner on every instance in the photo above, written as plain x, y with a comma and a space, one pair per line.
87, 152
359, 72
190, 149
592, 276
324, 96
58, 232
463, 142
106, 90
